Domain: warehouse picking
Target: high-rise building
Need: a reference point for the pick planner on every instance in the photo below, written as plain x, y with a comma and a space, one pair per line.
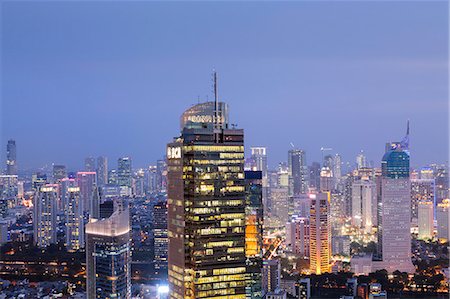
259, 159
364, 203
102, 171
124, 174
337, 166
161, 175
253, 232
442, 182
87, 182
425, 220
361, 160
11, 157
320, 233
271, 275
89, 164
206, 201
298, 236
298, 172
314, 175
161, 241
151, 179
279, 199
108, 256
44, 215
395, 217
59, 173
326, 180
74, 219
443, 220
421, 190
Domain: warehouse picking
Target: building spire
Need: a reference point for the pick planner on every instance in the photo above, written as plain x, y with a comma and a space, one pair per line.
405, 142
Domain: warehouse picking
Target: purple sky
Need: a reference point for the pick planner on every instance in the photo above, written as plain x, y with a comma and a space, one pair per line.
112, 78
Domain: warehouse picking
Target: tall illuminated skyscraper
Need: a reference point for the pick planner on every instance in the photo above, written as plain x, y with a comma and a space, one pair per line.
11, 156
254, 232
160, 237
395, 217
44, 215
206, 199
108, 256
320, 233
298, 172
74, 219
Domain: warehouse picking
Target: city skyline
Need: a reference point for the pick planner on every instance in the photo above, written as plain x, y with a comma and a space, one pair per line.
338, 95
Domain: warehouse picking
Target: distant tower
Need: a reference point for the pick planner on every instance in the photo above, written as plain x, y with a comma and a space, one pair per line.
74, 220
124, 174
108, 256
89, 164
326, 180
361, 160
59, 173
11, 162
102, 171
298, 172
86, 180
320, 234
44, 215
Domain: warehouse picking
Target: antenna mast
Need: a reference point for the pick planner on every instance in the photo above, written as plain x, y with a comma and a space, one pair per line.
216, 99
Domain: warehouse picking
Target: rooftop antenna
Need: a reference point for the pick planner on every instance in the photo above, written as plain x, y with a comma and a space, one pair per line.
216, 99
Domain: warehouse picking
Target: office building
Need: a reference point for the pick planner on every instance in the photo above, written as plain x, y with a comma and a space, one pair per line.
421, 190
161, 175
124, 173
271, 275
425, 220
395, 217
364, 204
102, 171
297, 236
298, 172
253, 232
161, 241
108, 256
206, 200
89, 164
11, 157
320, 234
74, 219
326, 180
443, 220
361, 160
59, 173
87, 182
44, 215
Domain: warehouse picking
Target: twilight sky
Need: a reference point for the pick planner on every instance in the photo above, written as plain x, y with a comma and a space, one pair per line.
112, 78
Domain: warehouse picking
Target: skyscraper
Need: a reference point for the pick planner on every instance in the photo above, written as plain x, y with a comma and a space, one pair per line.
326, 180
395, 217
206, 199
87, 182
74, 219
364, 199
443, 220
89, 164
320, 233
361, 160
253, 232
425, 220
298, 172
124, 174
421, 190
102, 171
271, 275
108, 256
44, 215
59, 173
160, 237
11, 156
